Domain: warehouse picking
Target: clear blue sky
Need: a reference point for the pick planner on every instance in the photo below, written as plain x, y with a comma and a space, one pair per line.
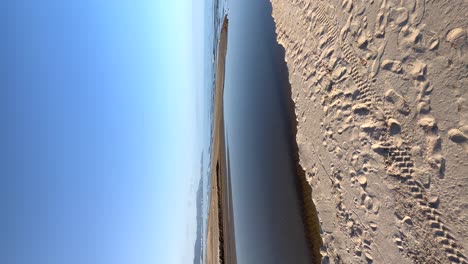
99, 142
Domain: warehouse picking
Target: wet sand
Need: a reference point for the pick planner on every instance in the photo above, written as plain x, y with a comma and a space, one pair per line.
220, 237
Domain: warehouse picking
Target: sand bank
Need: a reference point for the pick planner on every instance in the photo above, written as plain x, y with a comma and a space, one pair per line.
380, 92
220, 237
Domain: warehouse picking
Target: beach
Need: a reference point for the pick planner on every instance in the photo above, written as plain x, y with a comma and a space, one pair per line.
379, 90
220, 237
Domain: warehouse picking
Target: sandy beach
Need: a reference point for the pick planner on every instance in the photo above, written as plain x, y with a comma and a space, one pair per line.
380, 96
220, 237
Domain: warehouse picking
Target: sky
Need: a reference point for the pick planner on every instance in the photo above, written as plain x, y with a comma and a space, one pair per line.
99, 139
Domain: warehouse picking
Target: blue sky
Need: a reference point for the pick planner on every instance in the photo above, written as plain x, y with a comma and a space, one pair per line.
100, 143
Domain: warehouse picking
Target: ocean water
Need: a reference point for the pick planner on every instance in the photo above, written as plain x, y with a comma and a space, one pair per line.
267, 216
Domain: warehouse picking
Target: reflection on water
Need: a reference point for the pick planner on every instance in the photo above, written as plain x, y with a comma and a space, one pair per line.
268, 225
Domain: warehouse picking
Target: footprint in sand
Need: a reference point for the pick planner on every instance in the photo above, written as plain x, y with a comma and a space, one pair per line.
432, 43
377, 61
380, 24
427, 122
392, 65
398, 17
418, 70
396, 100
459, 137
456, 37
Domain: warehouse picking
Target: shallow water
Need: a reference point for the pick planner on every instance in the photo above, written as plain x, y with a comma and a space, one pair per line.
268, 225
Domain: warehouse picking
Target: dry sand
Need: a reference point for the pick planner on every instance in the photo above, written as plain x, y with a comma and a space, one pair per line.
220, 237
380, 93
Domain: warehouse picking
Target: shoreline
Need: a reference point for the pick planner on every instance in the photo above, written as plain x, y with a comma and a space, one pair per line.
304, 191
220, 237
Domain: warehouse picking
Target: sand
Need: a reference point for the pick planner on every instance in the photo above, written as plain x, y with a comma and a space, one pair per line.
380, 94
220, 237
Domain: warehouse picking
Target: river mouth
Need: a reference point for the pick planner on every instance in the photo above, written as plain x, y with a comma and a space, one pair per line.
274, 217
